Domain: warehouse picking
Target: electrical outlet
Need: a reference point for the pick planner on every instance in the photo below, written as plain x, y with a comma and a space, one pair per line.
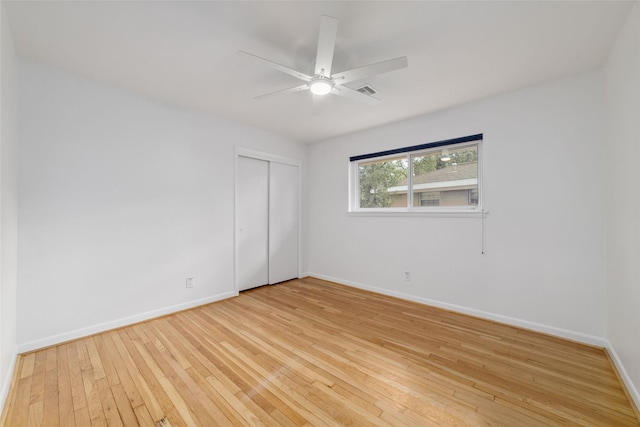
407, 276
189, 282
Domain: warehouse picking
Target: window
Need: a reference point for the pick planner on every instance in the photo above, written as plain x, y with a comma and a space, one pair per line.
438, 176
430, 198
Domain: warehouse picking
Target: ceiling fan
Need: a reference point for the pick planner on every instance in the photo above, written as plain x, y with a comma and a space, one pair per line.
322, 82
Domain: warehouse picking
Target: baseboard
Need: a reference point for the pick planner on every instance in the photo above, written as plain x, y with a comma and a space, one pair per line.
624, 377
119, 323
546, 329
6, 384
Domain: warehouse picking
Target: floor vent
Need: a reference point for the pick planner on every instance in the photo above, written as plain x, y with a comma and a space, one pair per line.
367, 90
164, 422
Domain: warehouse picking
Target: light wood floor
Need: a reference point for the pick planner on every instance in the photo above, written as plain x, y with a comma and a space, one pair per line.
309, 352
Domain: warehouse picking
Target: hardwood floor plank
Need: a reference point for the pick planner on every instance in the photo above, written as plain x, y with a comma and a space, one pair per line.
236, 403
51, 397
78, 396
313, 353
109, 405
202, 408
19, 403
143, 416
106, 361
164, 379
37, 379
155, 400
94, 358
66, 414
121, 364
26, 365
203, 371
127, 415
36, 414
82, 417
200, 374
94, 404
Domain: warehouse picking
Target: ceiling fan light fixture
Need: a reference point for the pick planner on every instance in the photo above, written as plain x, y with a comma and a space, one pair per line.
320, 86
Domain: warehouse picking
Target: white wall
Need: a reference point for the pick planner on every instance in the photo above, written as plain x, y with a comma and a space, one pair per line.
544, 265
623, 218
8, 206
121, 199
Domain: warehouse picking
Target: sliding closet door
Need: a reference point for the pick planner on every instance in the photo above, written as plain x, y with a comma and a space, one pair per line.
283, 222
252, 216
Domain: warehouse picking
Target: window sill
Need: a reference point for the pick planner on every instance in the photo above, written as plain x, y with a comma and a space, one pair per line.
417, 213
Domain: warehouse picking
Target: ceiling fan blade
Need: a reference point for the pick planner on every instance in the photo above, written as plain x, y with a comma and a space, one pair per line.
326, 45
354, 94
370, 70
287, 70
278, 92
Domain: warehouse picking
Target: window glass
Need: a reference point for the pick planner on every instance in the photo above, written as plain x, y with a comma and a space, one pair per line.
445, 177
378, 182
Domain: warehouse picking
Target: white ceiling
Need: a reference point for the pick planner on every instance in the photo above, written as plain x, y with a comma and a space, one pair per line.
185, 53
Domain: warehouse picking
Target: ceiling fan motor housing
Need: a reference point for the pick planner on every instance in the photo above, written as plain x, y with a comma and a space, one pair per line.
321, 85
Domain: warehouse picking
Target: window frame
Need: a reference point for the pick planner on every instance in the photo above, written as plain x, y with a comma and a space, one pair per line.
354, 178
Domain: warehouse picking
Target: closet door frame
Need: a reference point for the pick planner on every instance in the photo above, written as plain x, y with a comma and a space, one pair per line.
247, 152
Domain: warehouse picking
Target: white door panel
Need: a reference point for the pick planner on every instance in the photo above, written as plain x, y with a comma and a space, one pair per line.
283, 222
252, 222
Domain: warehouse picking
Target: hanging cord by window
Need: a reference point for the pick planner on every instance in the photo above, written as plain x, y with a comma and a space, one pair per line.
484, 215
